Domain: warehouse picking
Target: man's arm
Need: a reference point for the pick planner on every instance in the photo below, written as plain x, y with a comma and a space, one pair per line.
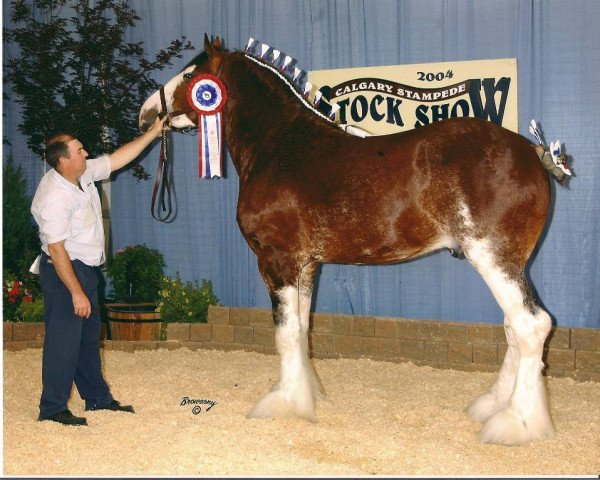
128, 152
64, 269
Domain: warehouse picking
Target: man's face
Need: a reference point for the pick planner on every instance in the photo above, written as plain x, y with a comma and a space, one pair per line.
75, 165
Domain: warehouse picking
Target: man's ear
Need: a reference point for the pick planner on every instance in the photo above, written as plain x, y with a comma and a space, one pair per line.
62, 161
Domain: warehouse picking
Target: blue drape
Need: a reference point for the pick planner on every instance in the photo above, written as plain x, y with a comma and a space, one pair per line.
556, 46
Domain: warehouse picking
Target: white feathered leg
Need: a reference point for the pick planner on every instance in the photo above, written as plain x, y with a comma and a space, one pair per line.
526, 418
522, 415
305, 302
497, 398
295, 392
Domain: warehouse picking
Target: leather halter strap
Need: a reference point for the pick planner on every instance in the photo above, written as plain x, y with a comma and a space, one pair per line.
163, 106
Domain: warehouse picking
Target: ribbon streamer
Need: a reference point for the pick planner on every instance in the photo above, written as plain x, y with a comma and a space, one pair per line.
209, 146
207, 95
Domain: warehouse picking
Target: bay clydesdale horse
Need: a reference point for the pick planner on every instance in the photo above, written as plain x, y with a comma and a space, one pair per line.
311, 193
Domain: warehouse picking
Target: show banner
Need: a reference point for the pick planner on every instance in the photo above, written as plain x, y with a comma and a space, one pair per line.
390, 99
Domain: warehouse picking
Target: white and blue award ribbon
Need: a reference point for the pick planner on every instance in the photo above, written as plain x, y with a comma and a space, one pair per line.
210, 140
207, 95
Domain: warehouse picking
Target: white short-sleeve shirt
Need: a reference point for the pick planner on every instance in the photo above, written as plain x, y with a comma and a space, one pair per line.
65, 212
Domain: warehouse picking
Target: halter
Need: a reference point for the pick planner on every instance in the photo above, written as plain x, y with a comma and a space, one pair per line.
162, 186
165, 111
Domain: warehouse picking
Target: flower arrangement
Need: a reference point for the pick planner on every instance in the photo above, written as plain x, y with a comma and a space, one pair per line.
136, 273
185, 301
14, 292
19, 304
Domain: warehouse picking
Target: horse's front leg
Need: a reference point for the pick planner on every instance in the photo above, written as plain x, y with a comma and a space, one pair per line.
305, 287
298, 386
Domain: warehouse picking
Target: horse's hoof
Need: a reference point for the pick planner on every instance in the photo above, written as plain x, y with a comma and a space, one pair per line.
509, 427
483, 407
275, 405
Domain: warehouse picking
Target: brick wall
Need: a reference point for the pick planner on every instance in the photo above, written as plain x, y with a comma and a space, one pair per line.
571, 352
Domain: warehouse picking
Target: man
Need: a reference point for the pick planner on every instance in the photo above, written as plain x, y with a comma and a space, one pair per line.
66, 207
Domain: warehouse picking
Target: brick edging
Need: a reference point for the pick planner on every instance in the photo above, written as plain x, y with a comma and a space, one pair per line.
569, 352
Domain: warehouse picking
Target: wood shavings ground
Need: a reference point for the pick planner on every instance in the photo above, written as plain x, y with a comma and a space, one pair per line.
380, 419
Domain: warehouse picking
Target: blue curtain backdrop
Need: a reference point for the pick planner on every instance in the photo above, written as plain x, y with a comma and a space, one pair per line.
556, 45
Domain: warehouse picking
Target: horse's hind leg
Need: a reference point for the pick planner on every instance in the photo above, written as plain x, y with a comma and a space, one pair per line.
497, 398
516, 409
298, 386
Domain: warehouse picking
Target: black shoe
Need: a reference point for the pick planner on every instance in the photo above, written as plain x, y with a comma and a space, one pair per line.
66, 418
115, 407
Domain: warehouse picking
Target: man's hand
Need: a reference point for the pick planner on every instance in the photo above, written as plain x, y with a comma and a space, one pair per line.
82, 305
160, 125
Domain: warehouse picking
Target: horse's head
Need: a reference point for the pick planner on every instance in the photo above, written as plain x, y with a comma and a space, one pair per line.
209, 61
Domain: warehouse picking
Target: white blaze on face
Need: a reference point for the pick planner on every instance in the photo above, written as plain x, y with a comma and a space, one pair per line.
152, 106
149, 111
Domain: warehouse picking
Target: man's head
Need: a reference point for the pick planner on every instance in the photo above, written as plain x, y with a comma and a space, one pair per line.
66, 155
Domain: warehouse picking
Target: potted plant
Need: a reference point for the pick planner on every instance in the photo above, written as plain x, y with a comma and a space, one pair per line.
185, 301
135, 274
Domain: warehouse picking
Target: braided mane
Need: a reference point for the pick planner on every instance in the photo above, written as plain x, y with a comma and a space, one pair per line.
290, 85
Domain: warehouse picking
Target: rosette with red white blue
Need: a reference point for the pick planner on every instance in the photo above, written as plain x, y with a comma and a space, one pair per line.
206, 94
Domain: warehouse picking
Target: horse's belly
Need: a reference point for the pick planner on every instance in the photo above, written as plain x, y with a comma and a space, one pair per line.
385, 256
371, 247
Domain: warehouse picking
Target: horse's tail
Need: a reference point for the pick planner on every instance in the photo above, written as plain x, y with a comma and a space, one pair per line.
553, 160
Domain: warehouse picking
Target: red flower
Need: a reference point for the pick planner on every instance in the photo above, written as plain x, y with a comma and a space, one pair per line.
15, 290
27, 299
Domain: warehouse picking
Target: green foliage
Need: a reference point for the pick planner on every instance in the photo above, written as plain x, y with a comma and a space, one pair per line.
76, 72
18, 231
185, 302
136, 273
20, 243
31, 311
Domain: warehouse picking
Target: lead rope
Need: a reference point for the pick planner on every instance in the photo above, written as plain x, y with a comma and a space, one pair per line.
162, 186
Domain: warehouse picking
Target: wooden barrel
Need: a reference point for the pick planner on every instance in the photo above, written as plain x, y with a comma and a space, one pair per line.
136, 321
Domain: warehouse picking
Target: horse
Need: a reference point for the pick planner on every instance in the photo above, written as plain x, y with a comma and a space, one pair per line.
311, 193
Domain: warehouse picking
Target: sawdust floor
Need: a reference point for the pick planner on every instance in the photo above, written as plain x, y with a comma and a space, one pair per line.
380, 418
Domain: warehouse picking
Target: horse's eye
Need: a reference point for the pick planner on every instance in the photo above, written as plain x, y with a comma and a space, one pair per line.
188, 76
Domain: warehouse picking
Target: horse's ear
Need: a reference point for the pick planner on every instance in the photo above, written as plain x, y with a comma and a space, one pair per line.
208, 48
211, 48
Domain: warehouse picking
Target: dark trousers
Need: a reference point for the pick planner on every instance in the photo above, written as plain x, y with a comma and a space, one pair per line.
71, 343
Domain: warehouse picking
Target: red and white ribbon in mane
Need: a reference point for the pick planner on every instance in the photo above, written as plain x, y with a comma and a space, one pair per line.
207, 95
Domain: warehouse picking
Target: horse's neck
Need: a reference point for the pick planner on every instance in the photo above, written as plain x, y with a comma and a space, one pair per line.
255, 112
